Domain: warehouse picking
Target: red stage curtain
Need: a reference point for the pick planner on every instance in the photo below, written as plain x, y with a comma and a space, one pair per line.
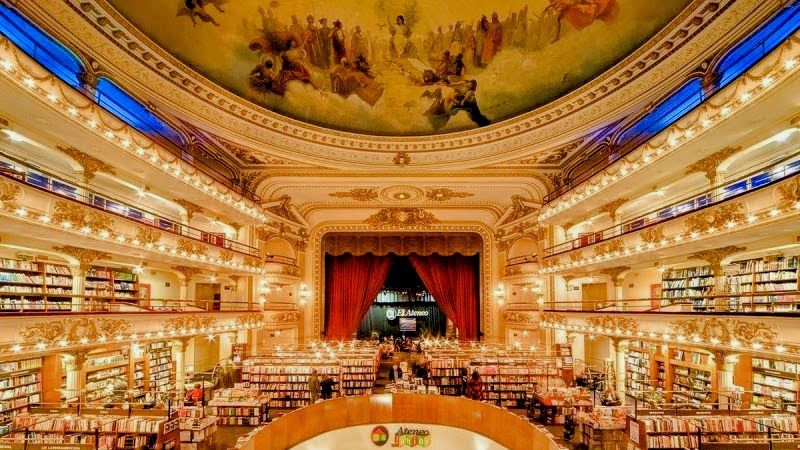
451, 281
351, 285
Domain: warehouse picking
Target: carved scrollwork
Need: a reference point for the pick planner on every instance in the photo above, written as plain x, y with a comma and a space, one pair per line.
148, 236
553, 319
614, 323
788, 193
9, 195
188, 324
287, 317
82, 330
401, 218
716, 218
652, 235
526, 318
726, 331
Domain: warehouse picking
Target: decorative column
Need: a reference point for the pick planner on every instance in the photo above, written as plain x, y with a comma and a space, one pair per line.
620, 355
76, 383
179, 356
725, 364
187, 273
85, 257
615, 273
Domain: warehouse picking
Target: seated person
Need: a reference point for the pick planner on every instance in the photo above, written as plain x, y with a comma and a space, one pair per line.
194, 396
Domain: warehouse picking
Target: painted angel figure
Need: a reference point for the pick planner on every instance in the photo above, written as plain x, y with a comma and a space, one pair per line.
195, 9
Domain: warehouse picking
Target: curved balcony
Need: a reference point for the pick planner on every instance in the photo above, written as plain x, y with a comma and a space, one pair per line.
33, 304
349, 415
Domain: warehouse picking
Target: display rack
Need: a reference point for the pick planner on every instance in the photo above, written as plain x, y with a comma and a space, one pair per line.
239, 407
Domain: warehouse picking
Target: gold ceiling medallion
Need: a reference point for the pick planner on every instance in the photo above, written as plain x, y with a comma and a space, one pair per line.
401, 218
615, 273
526, 318
80, 331
190, 324
90, 164
71, 215
789, 193
652, 235
187, 272
190, 208
612, 207
445, 194
609, 247
613, 323
190, 247
147, 236
708, 166
401, 159
357, 194
9, 195
732, 332
715, 256
715, 219
84, 256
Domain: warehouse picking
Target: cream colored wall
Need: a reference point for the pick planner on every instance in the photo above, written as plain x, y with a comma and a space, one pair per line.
636, 283
158, 280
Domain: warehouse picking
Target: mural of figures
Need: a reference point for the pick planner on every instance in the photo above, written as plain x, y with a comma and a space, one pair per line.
400, 67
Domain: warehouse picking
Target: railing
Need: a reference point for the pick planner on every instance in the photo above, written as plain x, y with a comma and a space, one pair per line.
99, 201
777, 172
165, 141
763, 303
285, 260
40, 303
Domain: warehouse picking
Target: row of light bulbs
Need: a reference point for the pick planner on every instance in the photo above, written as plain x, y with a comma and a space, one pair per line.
675, 240
44, 218
132, 338
666, 337
677, 136
149, 153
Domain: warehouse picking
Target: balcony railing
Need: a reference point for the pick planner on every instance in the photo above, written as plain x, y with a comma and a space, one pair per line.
38, 303
754, 180
761, 303
102, 202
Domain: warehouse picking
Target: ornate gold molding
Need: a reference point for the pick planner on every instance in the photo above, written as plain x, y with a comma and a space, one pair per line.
608, 247
615, 273
788, 193
715, 219
84, 330
190, 208
652, 235
613, 323
552, 319
287, 317
612, 207
383, 244
226, 256
187, 272
401, 159
90, 164
9, 195
283, 209
70, 214
357, 194
511, 271
250, 320
708, 166
529, 319
292, 271
188, 324
84, 256
406, 218
147, 236
576, 256
726, 331
520, 207
715, 256
445, 194
191, 247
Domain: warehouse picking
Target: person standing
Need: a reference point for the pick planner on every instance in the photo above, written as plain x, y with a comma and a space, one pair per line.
475, 387
314, 386
395, 374
325, 36
326, 387
339, 42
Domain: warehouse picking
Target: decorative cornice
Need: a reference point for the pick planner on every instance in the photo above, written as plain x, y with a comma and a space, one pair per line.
401, 159
613, 323
615, 273
553, 319
731, 332
725, 215
90, 164
528, 319
445, 194
391, 243
71, 215
190, 208
612, 207
84, 256
715, 256
84, 330
358, 194
520, 207
407, 218
708, 166
188, 324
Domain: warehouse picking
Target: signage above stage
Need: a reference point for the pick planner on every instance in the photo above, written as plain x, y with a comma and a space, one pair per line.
394, 313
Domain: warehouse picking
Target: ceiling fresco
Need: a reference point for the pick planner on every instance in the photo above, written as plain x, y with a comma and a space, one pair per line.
399, 67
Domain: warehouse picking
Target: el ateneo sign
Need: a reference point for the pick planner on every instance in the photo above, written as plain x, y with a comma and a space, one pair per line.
403, 437
394, 313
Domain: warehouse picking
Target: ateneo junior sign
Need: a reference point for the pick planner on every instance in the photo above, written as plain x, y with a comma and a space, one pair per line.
394, 313
403, 437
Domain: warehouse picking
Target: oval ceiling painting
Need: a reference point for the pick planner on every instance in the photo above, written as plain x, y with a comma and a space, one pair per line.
400, 67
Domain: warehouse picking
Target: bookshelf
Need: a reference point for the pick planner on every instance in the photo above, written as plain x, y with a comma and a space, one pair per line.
357, 376
638, 372
160, 367
138, 385
18, 277
691, 376
764, 276
239, 407
775, 384
112, 282
106, 373
689, 283
20, 387
286, 384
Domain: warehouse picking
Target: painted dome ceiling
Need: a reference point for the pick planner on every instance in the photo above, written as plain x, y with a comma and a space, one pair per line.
400, 67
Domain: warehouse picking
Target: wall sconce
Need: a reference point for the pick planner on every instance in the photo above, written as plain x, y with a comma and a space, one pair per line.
500, 294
